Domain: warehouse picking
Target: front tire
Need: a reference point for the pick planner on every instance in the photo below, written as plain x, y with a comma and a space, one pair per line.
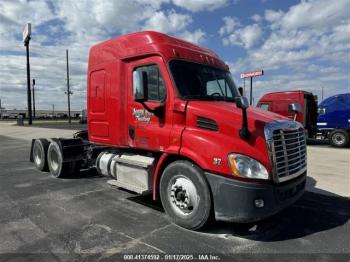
185, 195
339, 138
57, 167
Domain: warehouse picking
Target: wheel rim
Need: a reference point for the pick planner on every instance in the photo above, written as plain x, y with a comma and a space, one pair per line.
338, 139
183, 195
54, 160
37, 155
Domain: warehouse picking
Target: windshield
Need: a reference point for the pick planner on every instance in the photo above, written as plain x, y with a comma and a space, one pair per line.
202, 82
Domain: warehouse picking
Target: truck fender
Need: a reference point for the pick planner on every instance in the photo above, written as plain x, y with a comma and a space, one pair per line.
194, 157
72, 149
157, 174
163, 160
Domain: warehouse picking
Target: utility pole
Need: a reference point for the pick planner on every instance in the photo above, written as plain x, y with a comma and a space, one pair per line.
68, 91
33, 98
53, 110
243, 86
251, 91
26, 39
322, 94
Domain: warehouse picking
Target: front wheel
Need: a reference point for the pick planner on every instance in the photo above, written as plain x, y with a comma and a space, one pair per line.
185, 195
339, 138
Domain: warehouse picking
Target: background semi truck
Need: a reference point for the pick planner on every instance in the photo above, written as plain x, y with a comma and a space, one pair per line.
298, 105
329, 121
333, 119
164, 117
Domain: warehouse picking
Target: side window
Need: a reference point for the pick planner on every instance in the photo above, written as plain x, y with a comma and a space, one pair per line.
218, 87
264, 106
155, 82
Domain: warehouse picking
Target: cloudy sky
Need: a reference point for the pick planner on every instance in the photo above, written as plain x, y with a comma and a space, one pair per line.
300, 44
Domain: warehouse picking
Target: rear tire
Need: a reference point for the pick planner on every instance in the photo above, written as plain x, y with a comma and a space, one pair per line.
339, 138
57, 167
39, 152
185, 195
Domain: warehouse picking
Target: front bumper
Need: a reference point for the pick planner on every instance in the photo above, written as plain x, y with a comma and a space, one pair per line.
234, 200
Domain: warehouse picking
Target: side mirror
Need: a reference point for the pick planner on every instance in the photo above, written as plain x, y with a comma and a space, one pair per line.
294, 108
140, 85
242, 102
240, 90
321, 110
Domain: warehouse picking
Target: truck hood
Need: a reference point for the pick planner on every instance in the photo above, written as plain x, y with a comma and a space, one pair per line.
213, 127
227, 114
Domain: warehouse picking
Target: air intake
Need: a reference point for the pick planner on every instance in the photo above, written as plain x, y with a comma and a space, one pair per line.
206, 123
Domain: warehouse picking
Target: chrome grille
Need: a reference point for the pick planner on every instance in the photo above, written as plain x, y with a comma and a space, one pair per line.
287, 147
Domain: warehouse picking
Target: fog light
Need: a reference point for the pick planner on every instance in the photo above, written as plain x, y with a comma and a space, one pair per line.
259, 203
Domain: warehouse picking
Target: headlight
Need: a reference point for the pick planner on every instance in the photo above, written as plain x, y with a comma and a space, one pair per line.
244, 166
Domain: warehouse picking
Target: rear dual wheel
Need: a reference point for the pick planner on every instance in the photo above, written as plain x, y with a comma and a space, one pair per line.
57, 167
48, 157
39, 152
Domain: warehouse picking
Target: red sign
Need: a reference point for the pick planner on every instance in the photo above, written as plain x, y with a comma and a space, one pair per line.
252, 74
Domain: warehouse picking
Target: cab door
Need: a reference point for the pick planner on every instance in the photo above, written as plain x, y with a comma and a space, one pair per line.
149, 121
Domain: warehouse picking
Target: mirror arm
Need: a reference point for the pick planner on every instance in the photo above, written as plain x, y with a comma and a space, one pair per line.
244, 132
158, 111
242, 103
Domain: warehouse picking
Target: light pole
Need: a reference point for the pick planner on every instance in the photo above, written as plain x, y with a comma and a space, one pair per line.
33, 98
0, 109
251, 91
68, 92
243, 87
26, 38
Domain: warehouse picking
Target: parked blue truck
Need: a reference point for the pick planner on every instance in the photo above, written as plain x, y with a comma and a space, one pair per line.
333, 119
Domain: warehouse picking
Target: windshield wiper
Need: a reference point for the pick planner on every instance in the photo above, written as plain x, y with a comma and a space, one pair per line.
222, 92
208, 98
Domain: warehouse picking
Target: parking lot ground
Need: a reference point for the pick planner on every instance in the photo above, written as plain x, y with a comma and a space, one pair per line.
82, 217
10, 129
74, 125
329, 170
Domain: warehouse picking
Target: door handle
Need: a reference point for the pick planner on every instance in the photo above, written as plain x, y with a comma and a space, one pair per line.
132, 132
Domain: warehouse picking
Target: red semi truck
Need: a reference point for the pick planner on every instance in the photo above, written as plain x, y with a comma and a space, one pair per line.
298, 105
165, 117
330, 120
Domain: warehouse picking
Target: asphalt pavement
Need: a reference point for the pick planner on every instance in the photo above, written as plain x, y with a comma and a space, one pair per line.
84, 218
